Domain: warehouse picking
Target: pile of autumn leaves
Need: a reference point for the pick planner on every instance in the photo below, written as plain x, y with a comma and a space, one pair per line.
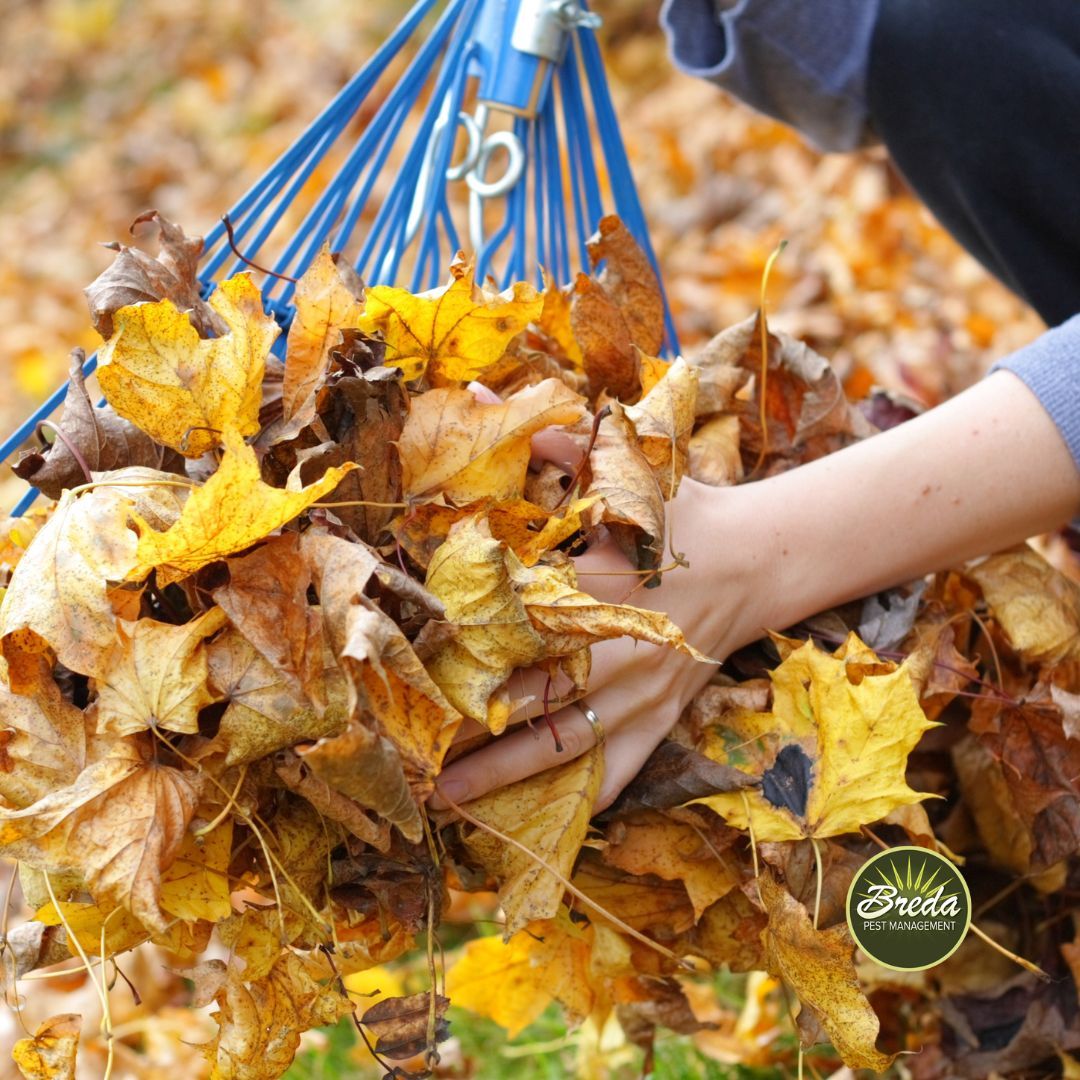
237, 650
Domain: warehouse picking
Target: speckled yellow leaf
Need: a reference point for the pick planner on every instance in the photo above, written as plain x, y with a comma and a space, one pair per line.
554, 321
181, 389
832, 754
196, 885
454, 444
548, 814
155, 676
86, 921
50, 1054
819, 967
513, 982
451, 336
232, 510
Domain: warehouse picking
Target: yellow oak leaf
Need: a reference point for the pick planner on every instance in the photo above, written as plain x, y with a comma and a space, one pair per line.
50, 1054
819, 966
548, 814
228, 513
833, 752
512, 982
156, 676
326, 303
120, 824
454, 444
196, 885
451, 335
183, 390
1037, 606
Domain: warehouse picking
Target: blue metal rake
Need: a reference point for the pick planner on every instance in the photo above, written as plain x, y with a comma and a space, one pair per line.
529, 68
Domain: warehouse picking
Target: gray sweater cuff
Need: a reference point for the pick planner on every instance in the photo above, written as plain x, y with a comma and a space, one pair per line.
1050, 367
801, 61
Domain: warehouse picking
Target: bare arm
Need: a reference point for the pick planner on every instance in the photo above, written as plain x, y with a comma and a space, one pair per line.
983, 471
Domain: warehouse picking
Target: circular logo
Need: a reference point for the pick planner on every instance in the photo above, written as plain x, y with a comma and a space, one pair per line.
908, 908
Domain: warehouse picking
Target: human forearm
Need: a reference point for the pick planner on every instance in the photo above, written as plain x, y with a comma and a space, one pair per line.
983, 471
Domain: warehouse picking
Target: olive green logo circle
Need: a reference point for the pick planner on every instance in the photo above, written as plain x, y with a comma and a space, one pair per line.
908, 908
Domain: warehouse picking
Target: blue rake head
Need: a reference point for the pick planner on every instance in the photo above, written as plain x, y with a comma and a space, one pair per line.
519, 80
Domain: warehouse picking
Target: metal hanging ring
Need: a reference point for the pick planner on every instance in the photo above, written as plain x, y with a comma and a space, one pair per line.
490, 189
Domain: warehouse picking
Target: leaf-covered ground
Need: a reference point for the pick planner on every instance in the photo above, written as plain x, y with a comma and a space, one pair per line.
143, 788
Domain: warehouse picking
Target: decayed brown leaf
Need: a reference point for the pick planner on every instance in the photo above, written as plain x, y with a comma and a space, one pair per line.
135, 277
401, 1024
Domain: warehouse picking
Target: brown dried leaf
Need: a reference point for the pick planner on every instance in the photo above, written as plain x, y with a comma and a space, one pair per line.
629, 279
612, 363
135, 277
400, 1024
367, 769
104, 439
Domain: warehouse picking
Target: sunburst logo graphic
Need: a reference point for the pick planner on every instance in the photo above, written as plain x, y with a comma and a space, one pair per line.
908, 908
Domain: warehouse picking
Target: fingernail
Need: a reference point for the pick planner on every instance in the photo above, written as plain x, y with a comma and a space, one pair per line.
452, 790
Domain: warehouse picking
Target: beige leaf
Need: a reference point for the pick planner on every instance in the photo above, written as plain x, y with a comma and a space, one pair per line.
547, 813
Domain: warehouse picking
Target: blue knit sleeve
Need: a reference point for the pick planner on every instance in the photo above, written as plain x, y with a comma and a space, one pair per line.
1050, 367
800, 61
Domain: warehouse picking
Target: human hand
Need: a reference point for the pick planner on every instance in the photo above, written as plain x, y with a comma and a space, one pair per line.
637, 690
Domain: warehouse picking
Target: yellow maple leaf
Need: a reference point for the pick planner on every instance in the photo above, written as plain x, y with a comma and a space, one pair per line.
228, 513
554, 321
450, 336
181, 389
663, 421
50, 1053
548, 814
155, 676
834, 749
466, 449
512, 982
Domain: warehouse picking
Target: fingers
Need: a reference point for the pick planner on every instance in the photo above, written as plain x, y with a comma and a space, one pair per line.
513, 757
556, 446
